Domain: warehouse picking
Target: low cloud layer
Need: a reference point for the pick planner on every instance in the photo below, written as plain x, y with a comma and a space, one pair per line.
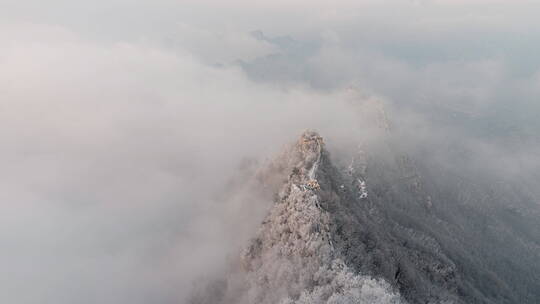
120, 127
113, 156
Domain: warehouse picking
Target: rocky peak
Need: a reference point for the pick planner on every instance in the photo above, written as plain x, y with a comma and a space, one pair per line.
309, 151
324, 240
293, 257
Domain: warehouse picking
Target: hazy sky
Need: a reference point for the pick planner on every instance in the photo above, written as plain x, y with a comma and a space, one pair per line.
121, 120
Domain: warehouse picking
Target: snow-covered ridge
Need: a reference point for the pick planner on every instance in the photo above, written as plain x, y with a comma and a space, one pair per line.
324, 241
294, 259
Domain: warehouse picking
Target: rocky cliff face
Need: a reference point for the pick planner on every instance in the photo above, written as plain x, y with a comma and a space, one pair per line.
368, 231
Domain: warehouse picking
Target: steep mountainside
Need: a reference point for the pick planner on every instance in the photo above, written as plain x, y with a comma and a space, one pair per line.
373, 230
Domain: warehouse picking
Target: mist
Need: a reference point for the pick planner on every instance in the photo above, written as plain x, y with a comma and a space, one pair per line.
123, 123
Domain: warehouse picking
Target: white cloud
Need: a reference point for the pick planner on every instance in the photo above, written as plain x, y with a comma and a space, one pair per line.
117, 131
112, 155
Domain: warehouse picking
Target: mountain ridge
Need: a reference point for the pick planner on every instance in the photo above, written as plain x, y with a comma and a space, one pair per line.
367, 231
